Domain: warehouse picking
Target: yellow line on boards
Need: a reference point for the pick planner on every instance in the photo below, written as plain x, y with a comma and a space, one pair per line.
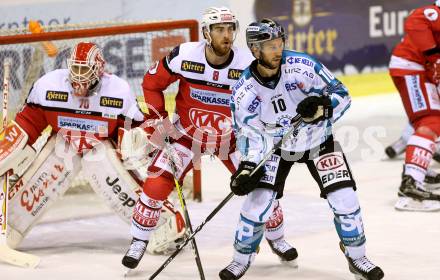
368, 84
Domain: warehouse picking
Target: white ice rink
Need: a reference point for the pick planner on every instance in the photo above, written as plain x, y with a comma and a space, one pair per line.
80, 239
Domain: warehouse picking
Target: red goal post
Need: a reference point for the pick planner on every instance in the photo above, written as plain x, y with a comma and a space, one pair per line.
129, 49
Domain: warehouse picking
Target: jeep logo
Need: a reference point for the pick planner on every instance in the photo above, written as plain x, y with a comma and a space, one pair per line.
210, 122
122, 196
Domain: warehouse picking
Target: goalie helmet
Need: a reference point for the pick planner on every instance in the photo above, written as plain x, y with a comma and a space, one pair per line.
262, 31
214, 15
86, 67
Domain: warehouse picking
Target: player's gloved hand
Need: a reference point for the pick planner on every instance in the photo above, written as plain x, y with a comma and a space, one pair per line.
135, 147
161, 128
433, 68
241, 182
315, 108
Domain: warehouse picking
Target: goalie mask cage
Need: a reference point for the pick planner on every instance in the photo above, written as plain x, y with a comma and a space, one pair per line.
129, 50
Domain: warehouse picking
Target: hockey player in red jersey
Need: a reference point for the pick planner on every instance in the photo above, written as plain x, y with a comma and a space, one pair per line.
415, 70
85, 107
206, 71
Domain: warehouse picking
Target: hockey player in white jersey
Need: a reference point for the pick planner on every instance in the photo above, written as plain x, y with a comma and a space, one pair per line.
271, 91
87, 110
207, 70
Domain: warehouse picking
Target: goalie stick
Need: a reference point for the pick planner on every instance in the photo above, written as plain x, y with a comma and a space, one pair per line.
292, 132
7, 254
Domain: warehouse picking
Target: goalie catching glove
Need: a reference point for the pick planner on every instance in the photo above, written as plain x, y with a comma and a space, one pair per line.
315, 108
241, 181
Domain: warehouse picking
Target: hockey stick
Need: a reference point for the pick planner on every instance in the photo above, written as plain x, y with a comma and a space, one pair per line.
184, 208
293, 131
7, 254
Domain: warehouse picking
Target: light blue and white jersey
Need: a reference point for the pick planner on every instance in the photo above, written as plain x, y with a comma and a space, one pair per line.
262, 109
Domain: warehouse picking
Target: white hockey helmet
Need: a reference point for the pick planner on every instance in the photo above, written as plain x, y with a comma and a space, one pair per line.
216, 15
86, 68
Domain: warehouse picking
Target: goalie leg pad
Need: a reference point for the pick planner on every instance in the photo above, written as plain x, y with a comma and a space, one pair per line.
46, 180
170, 232
116, 186
348, 221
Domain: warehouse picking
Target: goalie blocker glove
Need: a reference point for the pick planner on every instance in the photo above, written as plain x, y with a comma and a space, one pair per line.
241, 181
315, 108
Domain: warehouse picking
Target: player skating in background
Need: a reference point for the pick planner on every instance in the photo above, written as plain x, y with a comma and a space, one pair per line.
415, 71
85, 107
275, 86
206, 71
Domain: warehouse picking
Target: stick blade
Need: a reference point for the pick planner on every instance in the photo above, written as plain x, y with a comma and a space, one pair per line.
17, 258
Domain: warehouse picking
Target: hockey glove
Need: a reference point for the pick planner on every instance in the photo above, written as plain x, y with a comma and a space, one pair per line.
315, 108
241, 182
134, 148
161, 128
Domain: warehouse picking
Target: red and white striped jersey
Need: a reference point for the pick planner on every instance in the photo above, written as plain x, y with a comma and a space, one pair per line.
422, 33
202, 102
85, 119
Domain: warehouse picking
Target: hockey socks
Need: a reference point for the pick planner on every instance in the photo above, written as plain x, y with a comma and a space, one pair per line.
145, 217
275, 224
418, 156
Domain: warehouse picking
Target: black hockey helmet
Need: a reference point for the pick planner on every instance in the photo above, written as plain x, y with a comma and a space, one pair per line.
264, 30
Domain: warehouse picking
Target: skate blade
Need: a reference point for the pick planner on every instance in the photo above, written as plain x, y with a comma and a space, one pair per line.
409, 204
292, 263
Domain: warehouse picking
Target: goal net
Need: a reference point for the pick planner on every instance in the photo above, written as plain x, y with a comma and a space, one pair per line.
128, 48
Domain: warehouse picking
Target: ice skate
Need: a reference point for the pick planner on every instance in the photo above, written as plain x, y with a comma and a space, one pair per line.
413, 197
287, 253
432, 178
134, 253
363, 268
233, 271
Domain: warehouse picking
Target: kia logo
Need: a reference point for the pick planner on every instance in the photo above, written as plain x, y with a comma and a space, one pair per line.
330, 162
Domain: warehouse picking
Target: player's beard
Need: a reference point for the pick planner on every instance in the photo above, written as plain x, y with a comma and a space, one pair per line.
223, 48
272, 64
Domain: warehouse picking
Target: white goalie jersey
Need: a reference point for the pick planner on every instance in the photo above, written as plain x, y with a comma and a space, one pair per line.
263, 109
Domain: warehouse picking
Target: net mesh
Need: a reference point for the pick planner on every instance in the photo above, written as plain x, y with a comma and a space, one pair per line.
127, 55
